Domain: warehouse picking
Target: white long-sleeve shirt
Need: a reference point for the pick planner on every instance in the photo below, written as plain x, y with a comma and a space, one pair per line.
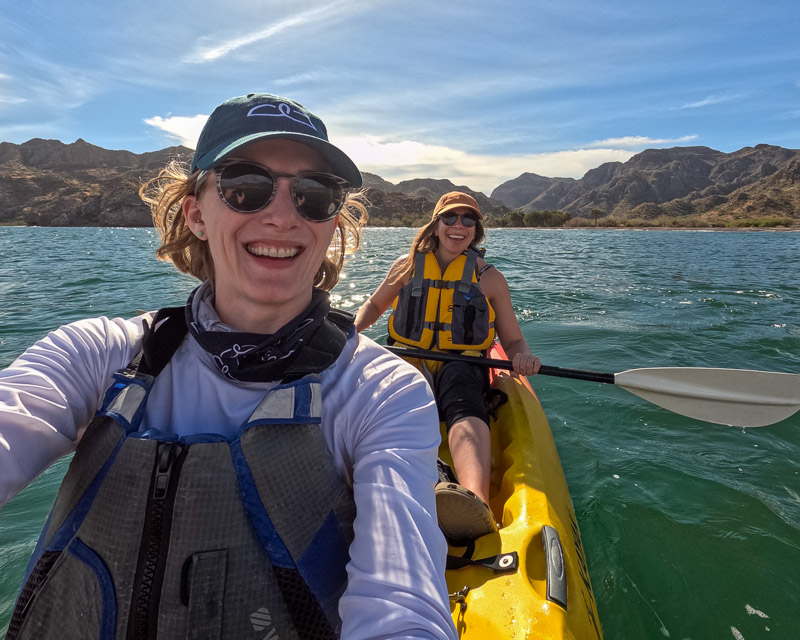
378, 418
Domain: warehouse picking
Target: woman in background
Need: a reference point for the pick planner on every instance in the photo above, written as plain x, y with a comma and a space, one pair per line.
445, 296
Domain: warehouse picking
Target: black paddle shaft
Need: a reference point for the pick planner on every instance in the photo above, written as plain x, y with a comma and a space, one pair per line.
545, 370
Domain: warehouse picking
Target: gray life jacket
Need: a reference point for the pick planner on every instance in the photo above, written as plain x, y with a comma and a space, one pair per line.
158, 536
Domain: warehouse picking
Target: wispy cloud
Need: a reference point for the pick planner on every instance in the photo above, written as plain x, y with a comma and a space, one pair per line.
315, 15
397, 161
48, 84
300, 78
12, 100
709, 100
638, 142
184, 129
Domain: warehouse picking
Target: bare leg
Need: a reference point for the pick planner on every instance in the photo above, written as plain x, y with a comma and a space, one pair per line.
470, 447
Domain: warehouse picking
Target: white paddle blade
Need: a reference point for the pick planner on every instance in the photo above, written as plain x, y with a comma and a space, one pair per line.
735, 397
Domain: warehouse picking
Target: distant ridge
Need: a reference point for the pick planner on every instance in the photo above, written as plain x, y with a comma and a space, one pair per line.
753, 181
527, 188
51, 154
49, 183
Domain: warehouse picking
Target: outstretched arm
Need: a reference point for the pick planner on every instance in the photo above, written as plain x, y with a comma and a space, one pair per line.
49, 394
382, 299
495, 287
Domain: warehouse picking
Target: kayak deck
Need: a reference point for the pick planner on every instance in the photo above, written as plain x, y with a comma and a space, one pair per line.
531, 502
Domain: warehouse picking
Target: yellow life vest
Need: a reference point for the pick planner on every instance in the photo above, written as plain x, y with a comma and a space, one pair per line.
444, 311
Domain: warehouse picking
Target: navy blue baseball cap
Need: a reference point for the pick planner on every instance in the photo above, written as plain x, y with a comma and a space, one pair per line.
259, 116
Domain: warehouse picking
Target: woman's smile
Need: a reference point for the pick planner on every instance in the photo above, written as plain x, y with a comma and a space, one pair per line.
266, 251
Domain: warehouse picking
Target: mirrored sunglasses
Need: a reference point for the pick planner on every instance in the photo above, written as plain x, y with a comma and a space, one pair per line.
248, 187
467, 219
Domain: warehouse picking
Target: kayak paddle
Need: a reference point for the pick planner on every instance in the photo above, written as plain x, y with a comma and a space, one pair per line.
734, 397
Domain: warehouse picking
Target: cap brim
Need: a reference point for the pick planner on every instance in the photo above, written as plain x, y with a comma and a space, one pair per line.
459, 205
340, 164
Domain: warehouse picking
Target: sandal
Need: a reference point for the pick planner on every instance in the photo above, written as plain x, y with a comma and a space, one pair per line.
462, 514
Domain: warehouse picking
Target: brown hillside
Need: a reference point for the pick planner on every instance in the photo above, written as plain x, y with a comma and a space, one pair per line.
47, 182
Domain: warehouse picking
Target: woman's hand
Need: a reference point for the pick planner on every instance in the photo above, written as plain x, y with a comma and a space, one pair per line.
526, 364
369, 312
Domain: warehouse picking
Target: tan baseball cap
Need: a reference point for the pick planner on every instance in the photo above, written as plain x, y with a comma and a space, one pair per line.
456, 199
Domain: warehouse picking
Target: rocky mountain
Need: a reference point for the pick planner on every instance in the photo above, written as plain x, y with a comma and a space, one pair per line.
49, 183
527, 188
753, 181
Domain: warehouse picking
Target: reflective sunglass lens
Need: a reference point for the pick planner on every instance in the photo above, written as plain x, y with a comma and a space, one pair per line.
245, 187
467, 220
317, 197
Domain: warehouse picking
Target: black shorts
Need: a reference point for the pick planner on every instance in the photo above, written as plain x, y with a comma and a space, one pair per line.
460, 390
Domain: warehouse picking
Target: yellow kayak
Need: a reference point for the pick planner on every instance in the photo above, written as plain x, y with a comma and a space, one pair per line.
531, 580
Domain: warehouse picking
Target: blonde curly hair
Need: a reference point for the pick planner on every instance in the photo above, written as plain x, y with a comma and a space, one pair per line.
164, 195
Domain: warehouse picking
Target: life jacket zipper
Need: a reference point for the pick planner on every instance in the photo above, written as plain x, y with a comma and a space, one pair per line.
151, 565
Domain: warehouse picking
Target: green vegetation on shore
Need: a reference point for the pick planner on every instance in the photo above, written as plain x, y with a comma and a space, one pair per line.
562, 219
690, 222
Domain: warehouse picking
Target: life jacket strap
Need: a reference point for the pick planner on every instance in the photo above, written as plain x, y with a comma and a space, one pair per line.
465, 283
444, 326
417, 278
162, 337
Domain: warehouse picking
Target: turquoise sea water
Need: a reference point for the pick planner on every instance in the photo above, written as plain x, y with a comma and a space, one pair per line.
692, 530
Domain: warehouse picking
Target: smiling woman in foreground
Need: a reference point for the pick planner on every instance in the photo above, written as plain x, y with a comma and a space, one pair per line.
224, 448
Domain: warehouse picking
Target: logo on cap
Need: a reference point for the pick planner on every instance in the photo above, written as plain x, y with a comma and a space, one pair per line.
281, 110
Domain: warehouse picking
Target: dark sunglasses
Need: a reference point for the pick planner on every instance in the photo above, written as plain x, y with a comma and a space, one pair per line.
247, 187
467, 219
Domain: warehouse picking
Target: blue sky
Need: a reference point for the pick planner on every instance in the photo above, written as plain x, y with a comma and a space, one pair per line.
477, 92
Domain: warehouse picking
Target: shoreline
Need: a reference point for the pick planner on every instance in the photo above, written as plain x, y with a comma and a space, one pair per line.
723, 229
488, 229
